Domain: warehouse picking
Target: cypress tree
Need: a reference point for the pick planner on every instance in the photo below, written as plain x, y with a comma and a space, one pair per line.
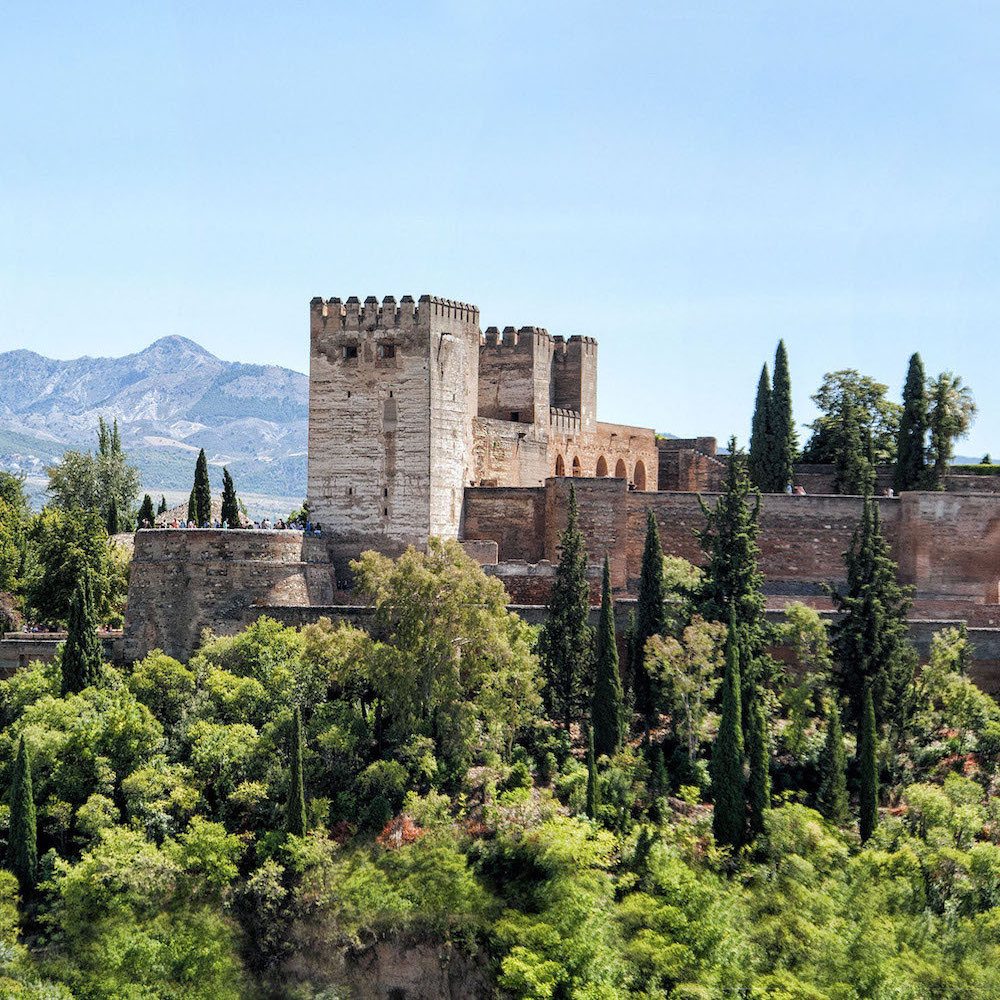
733, 579
781, 430
146, 513
162, 509
871, 640
202, 491
729, 817
295, 818
607, 712
566, 640
593, 789
832, 797
22, 849
81, 654
757, 460
854, 472
759, 759
230, 505
193, 509
911, 444
112, 525
650, 617
868, 762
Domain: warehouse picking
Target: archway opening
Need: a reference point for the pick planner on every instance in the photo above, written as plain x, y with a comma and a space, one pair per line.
577, 468
602, 467
560, 466
639, 478
620, 471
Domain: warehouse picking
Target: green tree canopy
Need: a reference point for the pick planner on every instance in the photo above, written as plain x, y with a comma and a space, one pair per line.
81, 653
911, 444
566, 639
607, 714
952, 411
22, 848
65, 546
733, 579
147, 516
871, 640
202, 492
782, 443
848, 400
760, 435
728, 781
105, 482
230, 504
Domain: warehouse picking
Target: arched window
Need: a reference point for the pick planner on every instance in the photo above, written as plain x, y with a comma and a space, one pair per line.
577, 468
620, 471
560, 466
640, 475
602, 468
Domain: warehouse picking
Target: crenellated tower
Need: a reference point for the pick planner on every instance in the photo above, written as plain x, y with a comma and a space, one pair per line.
393, 392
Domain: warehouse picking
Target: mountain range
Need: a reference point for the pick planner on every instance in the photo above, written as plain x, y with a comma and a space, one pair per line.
170, 400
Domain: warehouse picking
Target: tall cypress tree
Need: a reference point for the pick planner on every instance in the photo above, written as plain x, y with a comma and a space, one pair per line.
781, 430
193, 509
760, 435
593, 788
22, 849
230, 505
759, 759
295, 816
650, 617
112, 525
733, 579
854, 471
607, 713
81, 654
162, 509
832, 797
728, 790
868, 763
566, 640
202, 491
911, 444
871, 640
146, 512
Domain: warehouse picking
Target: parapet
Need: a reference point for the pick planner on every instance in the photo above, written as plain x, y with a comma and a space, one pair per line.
524, 340
353, 314
574, 345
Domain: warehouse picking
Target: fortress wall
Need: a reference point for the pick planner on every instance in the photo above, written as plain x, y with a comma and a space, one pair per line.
183, 581
508, 454
603, 511
802, 539
950, 544
514, 518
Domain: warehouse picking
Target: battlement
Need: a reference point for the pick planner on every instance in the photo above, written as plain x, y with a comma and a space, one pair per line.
353, 314
576, 344
523, 340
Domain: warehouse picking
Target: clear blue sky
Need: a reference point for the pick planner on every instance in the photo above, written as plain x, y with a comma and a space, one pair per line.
688, 182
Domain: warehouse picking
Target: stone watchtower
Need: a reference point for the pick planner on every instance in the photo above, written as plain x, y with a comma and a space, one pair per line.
393, 393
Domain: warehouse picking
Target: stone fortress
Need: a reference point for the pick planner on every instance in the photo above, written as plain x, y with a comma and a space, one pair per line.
422, 425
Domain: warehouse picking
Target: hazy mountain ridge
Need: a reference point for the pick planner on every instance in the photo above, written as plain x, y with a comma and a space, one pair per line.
170, 399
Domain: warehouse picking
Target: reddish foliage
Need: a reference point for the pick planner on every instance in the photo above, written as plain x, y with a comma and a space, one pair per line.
398, 832
342, 831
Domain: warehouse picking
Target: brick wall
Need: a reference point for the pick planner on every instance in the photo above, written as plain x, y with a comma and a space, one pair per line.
513, 518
